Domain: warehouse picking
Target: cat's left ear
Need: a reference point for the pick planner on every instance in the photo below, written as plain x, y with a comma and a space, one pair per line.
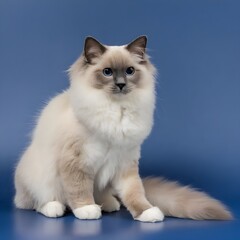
138, 46
93, 49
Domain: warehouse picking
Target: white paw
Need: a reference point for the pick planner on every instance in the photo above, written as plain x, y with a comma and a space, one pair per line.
88, 212
111, 205
153, 214
52, 209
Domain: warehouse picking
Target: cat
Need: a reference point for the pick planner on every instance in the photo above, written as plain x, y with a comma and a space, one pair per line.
85, 148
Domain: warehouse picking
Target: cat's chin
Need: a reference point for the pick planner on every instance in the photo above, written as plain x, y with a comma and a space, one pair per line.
121, 95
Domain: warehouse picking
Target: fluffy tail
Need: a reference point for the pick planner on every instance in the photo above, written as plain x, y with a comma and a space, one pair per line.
182, 201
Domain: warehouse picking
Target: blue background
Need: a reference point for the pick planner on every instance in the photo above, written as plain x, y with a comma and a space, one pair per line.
195, 46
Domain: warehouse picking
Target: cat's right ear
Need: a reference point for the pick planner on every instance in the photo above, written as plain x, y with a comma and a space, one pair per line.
93, 49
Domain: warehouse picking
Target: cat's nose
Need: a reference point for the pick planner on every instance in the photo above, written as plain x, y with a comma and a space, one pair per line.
120, 85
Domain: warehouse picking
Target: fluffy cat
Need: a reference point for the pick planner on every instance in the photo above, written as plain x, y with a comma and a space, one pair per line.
86, 145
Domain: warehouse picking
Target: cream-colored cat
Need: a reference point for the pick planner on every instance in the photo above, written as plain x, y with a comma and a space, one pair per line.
86, 145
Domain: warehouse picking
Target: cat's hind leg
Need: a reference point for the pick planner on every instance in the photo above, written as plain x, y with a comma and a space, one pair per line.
106, 200
34, 188
23, 198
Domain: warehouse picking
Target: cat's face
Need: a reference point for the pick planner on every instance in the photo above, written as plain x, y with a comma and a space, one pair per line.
115, 70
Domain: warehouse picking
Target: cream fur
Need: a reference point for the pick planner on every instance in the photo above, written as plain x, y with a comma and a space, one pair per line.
108, 130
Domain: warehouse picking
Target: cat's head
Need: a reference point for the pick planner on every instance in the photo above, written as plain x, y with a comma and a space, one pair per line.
115, 70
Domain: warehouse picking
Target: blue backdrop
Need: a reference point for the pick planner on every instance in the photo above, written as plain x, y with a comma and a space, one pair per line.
195, 47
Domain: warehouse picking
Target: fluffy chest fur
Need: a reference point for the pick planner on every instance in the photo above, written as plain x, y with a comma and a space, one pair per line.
126, 122
113, 162
115, 135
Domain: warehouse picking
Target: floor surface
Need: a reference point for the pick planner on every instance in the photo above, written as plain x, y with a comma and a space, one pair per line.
23, 224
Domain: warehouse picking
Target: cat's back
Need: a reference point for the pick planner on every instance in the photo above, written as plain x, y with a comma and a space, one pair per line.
53, 109
55, 123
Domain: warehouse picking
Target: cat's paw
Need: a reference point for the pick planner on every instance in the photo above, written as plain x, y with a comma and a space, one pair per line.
111, 205
88, 212
153, 214
52, 209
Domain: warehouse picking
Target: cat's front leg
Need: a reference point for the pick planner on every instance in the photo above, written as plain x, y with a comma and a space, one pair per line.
78, 181
131, 192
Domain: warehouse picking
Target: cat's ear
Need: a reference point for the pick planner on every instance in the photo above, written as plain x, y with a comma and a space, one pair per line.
93, 49
138, 46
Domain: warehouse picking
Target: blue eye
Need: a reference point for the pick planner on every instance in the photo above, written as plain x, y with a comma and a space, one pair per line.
107, 72
130, 71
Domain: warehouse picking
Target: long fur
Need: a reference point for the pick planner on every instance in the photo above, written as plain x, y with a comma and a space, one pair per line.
183, 201
87, 141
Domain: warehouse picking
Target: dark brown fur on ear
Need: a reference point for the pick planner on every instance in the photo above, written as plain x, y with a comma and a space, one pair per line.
93, 49
138, 46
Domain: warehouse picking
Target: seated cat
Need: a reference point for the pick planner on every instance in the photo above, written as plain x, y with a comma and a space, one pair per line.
85, 148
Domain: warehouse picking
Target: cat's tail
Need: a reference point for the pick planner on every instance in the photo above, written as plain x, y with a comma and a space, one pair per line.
182, 201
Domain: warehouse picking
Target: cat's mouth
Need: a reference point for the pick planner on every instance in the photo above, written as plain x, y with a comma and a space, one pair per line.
121, 91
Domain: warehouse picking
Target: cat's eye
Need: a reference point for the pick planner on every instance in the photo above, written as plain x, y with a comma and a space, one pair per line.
107, 72
130, 71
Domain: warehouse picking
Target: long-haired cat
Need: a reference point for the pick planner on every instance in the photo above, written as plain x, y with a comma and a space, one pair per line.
86, 146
